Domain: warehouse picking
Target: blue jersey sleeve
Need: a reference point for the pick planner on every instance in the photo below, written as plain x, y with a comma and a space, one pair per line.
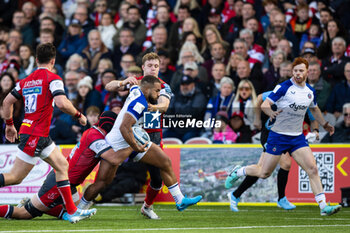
279, 91
265, 95
314, 102
311, 117
138, 104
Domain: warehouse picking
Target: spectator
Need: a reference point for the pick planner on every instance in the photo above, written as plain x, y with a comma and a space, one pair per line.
51, 10
340, 94
7, 83
222, 101
166, 70
268, 5
30, 11
325, 17
255, 51
231, 67
191, 70
218, 73
245, 72
75, 62
135, 24
159, 41
245, 102
342, 130
107, 76
122, 14
217, 52
309, 54
273, 38
7, 8
4, 63
285, 46
126, 62
223, 134
191, 25
103, 64
313, 35
210, 36
243, 131
322, 87
191, 5
333, 29
87, 96
115, 106
61, 132
253, 25
92, 114
125, 45
188, 99
107, 30
27, 62
191, 37
74, 41
99, 9
286, 70
176, 31
214, 18
19, 23
95, 51
71, 79
4, 33
272, 76
301, 22
15, 40
235, 24
333, 66
81, 15
49, 23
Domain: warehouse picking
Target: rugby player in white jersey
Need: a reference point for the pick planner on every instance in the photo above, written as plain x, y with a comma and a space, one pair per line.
292, 97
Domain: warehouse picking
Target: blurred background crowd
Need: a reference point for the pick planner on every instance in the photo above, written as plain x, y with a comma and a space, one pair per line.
216, 55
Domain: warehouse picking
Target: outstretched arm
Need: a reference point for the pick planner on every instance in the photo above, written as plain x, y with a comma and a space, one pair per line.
117, 85
316, 112
10, 132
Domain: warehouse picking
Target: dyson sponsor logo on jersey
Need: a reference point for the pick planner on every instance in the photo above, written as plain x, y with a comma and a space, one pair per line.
33, 83
296, 107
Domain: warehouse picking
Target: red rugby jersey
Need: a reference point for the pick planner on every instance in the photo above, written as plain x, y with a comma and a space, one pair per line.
37, 91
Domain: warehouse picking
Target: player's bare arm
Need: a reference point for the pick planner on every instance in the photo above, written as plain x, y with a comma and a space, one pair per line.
66, 106
10, 132
126, 131
161, 106
266, 108
316, 112
117, 85
257, 119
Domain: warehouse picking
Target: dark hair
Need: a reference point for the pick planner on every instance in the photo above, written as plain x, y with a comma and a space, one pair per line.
47, 31
133, 7
48, 18
2, 42
45, 52
326, 9
149, 80
2, 93
183, 6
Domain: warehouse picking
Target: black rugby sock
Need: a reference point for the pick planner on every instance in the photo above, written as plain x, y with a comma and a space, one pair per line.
282, 178
246, 184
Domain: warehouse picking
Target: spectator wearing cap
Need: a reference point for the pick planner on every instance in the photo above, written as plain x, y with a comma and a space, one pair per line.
322, 87
135, 23
166, 70
333, 66
243, 131
222, 101
223, 133
73, 41
217, 52
217, 5
95, 51
340, 94
342, 129
87, 96
187, 100
215, 18
309, 54
19, 22
125, 45
115, 105
191, 70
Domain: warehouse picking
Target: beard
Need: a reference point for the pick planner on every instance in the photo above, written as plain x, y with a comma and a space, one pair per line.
153, 100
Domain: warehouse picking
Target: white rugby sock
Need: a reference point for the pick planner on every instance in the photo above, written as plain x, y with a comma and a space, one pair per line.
241, 172
84, 204
176, 193
321, 200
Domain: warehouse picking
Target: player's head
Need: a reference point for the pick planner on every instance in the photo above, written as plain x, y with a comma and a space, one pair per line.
45, 54
151, 87
300, 67
150, 64
106, 120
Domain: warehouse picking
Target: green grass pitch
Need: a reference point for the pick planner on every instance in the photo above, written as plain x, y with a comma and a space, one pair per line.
250, 219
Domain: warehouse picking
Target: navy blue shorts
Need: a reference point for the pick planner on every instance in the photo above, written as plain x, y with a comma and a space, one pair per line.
277, 144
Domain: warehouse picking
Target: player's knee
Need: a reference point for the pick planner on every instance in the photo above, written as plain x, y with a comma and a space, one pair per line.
265, 175
285, 166
62, 166
167, 163
312, 171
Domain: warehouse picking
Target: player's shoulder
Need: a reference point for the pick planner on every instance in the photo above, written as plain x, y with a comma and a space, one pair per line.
283, 87
310, 87
53, 76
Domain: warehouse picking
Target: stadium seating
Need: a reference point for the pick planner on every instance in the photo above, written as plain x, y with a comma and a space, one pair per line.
172, 141
198, 140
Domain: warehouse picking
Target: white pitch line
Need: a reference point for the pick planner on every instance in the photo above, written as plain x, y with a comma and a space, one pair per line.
176, 229
321, 219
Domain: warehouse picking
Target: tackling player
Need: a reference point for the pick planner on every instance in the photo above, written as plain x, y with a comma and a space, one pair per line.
38, 91
82, 160
292, 97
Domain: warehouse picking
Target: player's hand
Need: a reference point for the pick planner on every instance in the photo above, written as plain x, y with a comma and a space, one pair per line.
141, 148
274, 114
329, 128
152, 108
317, 135
11, 133
82, 120
130, 80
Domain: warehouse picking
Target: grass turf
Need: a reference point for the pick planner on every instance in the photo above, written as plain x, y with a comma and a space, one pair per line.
195, 219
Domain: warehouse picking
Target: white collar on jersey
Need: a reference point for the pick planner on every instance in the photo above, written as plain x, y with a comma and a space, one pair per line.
95, 127
41, 68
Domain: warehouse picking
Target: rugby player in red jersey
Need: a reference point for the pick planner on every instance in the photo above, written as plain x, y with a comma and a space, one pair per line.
38, 92
82, 160
150, 66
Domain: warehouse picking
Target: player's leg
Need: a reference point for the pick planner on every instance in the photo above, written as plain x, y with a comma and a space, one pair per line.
13, 212
19, 171
234, 197
105, 176
306, 160
152, 191
156, 157
282, 178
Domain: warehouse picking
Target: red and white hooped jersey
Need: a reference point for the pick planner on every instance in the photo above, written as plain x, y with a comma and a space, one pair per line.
37, 91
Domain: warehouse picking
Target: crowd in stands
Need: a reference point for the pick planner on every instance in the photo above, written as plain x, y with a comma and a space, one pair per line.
216, 55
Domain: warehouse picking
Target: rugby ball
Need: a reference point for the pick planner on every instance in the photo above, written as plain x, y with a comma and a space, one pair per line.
140, 135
